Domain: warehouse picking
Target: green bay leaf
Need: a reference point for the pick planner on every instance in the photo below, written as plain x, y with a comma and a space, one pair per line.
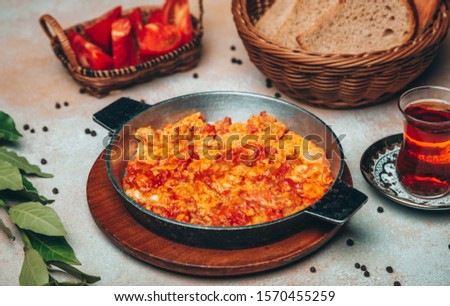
34, 271
89, 279
10, 177
29, 193
53, 248
21, 163
38, 218
8, 128
71, 284
55, 282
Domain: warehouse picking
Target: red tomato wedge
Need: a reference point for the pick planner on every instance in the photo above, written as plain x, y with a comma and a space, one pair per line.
176, 12
124, 53
136, 21
159, 38
89, 55
138, 29
99, 32
156, 16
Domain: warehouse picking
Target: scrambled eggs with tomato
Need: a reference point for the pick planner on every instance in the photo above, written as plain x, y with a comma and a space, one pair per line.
226, 174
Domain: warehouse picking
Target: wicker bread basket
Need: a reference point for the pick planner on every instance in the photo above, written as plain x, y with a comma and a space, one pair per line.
100, 83
338, 81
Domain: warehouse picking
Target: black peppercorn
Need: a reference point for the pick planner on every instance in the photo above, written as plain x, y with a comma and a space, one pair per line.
233, 48
312, 269
397, 283
45, 129
43, 161
389, 269
366, 274
32, 131
55, 191
363, 268
87, 131
195, 75
57, 105
350, 242
380, 209
93, 133
357, 265
66, 104
26, 127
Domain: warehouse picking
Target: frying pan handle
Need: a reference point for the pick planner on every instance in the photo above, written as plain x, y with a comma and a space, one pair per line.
339, 204
115, 115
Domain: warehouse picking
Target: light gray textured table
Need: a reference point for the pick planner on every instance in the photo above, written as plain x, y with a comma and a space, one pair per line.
415, 243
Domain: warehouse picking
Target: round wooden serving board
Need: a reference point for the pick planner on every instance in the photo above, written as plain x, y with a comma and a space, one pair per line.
109, 212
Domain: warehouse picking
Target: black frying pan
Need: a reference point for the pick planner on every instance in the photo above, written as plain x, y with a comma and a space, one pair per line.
125, 116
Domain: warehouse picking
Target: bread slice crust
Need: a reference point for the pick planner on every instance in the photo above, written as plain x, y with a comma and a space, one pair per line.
304, 15
275, 17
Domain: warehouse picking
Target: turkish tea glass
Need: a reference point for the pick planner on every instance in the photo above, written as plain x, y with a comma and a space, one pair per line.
423, 163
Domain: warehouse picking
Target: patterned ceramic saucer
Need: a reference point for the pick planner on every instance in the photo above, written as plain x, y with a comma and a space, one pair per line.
378, 168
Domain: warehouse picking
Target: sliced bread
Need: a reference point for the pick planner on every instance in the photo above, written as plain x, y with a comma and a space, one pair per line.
304, 15
426, 9
360, 26
273, 19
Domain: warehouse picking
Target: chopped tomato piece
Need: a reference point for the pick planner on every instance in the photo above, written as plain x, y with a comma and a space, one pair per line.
176, 12
156, 16
124, 53
136, 21
138, 28
159, 38
89, 55
99, 32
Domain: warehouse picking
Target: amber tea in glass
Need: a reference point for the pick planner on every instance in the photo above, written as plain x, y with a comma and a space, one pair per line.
423, 163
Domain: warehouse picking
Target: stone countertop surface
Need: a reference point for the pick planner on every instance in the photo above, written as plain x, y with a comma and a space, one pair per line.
415, 243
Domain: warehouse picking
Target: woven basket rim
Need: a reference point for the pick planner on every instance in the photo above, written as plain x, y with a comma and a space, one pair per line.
239, 7
129, 70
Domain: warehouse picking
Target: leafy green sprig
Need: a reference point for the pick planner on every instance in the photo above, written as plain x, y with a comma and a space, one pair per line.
43, 234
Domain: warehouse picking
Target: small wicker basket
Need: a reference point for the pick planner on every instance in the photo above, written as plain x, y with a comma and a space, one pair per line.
338, 81
100, 83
